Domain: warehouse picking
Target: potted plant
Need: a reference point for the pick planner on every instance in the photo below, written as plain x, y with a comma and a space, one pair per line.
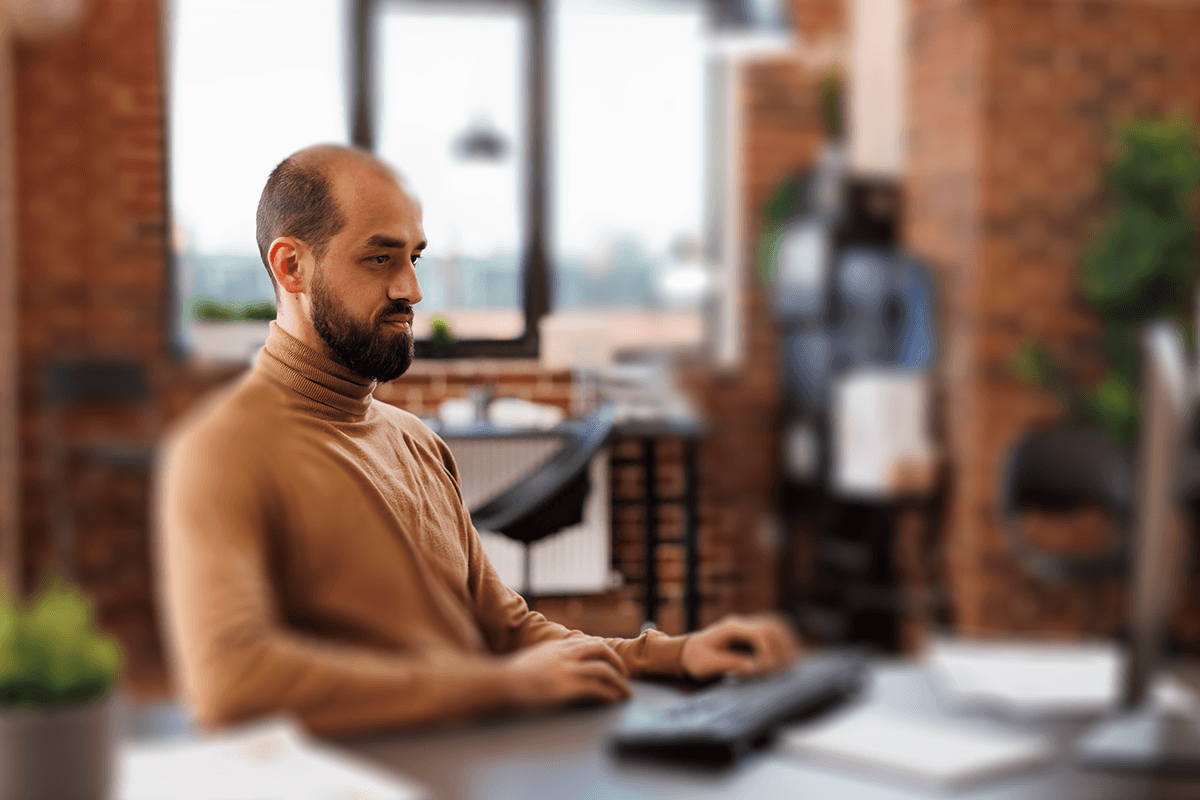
57, 673
441, 338
1141, 265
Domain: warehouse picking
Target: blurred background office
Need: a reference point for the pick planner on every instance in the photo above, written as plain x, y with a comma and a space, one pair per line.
851, 216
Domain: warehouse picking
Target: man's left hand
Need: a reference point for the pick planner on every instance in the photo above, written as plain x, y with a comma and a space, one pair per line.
744, 646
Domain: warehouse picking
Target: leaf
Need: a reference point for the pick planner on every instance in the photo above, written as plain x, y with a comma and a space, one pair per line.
1113, 406
51, 651
1032, 364
1142, 262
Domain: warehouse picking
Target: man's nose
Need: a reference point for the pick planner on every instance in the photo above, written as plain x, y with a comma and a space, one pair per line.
406, 287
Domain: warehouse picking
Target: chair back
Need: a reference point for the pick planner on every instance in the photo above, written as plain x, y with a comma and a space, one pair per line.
551, 496
1061, 468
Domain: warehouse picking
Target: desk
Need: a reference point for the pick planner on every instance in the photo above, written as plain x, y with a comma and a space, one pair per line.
563, 755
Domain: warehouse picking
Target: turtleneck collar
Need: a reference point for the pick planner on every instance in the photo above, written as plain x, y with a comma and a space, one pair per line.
296, 365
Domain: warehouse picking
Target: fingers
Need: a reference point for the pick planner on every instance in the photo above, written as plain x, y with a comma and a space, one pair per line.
744, 665
599, 673
587, 681
787, 638
595, 649
587, 690
768, 658
785, 647
769, 638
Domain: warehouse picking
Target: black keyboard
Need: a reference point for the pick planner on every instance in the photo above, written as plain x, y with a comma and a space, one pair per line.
726, 720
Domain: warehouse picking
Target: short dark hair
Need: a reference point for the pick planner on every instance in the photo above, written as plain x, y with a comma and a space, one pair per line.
298, 201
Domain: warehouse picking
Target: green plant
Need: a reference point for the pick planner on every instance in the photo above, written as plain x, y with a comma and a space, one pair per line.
829, 100
790, 195
439, 330
259, 311
51, 652
1140, 266
209, 309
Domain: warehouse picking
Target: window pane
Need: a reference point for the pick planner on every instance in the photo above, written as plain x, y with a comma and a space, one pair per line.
628, 150
451, 116
251, 82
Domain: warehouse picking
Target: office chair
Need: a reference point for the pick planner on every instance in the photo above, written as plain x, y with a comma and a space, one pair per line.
85, 384
1061, 468
552, 495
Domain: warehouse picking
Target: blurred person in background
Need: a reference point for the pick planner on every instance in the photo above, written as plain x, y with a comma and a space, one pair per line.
317, 556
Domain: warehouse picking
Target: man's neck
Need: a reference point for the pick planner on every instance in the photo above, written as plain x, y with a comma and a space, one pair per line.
294, 323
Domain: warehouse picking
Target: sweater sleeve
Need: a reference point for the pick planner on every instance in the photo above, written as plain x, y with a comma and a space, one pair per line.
235, 657
509, 624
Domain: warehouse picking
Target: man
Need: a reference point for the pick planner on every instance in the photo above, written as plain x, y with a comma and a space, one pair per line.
317, 556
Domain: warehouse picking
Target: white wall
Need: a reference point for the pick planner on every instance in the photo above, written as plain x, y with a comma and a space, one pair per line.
876, 86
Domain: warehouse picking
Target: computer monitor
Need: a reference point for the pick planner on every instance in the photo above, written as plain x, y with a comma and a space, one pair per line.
1143, 736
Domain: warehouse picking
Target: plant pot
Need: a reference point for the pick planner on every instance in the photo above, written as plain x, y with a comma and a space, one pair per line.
59, 753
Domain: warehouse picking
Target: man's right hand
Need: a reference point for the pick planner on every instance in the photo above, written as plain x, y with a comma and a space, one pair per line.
566, 671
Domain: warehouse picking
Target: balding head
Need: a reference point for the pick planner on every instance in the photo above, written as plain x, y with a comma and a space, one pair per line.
300, 200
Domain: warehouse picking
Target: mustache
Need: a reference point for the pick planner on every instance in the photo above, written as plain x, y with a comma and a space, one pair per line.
396, 309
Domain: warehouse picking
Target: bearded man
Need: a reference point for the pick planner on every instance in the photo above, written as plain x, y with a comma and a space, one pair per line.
316, 554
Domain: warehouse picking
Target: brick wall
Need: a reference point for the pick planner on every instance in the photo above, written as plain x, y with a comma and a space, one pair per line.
91, 277
9, 492
1012, 105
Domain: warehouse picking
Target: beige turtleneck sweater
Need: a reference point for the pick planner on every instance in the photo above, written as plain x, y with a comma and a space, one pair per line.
317, 558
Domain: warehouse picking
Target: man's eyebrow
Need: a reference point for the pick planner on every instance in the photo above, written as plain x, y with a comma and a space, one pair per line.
380, 240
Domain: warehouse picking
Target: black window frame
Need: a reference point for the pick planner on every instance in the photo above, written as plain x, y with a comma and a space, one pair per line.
535, 262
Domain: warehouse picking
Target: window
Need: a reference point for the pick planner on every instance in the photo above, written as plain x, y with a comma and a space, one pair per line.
451, 116
628, 166
557, 147
250, 82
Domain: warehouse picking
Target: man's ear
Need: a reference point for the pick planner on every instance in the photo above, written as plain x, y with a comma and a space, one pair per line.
284, 256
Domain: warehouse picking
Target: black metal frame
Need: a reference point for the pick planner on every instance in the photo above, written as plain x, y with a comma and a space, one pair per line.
535, 271
651, 501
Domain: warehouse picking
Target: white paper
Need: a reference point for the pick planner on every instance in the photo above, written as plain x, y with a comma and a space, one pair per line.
269, 761
890, 745
879, 425
1042, 679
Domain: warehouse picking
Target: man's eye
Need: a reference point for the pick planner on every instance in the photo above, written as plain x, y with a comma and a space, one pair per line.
380, 260
416, 257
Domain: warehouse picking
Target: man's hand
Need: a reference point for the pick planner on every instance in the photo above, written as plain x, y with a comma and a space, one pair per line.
566, 671
744, 646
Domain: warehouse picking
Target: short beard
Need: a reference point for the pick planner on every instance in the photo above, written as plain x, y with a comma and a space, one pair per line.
367, 349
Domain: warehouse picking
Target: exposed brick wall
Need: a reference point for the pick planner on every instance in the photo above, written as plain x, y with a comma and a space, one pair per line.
941, 202
428, 382
9, 453
815, 19
91, 279
1012, 107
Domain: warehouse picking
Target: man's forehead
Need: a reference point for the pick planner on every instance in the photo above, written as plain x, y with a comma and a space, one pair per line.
368, 194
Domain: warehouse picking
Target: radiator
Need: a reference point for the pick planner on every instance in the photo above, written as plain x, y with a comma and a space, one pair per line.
575, 560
